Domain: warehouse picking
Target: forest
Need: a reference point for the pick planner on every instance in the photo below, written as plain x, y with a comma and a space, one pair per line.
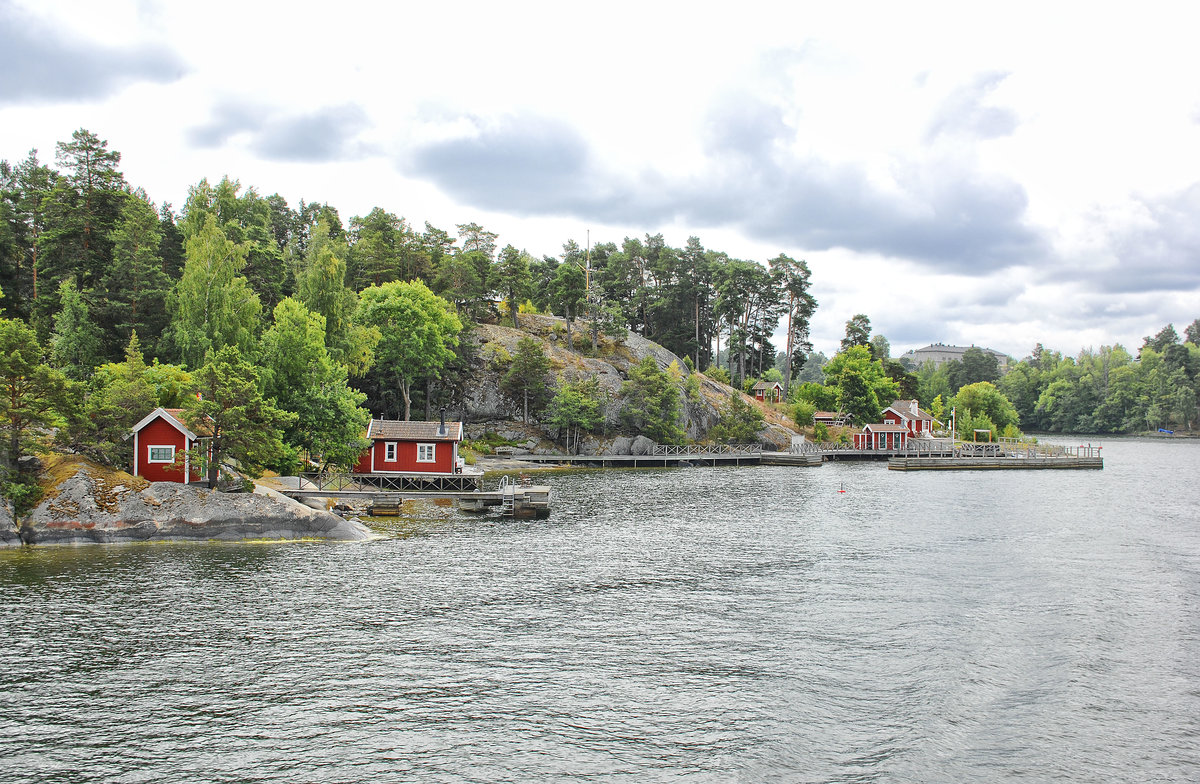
113, 303
285, 328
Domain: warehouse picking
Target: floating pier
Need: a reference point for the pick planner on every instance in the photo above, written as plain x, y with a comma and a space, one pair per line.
1007, 454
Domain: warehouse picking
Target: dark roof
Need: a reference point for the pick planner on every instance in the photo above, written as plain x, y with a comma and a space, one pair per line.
883, 427
910, 409
393, 430
767, 385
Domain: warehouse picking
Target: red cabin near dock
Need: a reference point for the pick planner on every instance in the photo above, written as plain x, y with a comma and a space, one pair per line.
411, 447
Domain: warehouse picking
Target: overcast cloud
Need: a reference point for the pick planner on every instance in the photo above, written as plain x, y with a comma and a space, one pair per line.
41, 64
960, 175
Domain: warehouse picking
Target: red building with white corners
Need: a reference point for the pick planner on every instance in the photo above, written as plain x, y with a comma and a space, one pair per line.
411, 447
161, 447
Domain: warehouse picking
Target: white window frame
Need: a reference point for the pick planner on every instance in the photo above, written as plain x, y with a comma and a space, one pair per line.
426, 453
390, 452
150, 453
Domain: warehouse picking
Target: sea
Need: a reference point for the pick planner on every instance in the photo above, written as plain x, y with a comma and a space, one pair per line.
834, 623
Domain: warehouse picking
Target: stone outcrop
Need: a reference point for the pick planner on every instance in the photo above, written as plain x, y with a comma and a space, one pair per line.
9, 537
87, 503
486, 409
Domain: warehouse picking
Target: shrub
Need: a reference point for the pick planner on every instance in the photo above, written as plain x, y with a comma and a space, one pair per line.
718, 374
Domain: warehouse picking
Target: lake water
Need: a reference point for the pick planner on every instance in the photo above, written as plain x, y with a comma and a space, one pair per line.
730, 624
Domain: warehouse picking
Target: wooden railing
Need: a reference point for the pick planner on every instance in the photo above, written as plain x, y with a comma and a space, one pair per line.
698, 450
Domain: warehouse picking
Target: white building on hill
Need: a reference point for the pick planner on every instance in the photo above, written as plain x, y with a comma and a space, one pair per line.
940, 353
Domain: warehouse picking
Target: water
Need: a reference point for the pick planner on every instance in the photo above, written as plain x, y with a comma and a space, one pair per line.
748, 624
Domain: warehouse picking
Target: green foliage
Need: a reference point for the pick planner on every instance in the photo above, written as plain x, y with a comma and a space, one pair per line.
526, 380
24, 492
418, 332
740, 422
213, 306
118, 396
75, 344
821, 433
984, 400
863, 389
858, 333
575, 407
514, 278
821, 397
302, 378
651, 403
34, 397
718, 374
802, 413
231, 411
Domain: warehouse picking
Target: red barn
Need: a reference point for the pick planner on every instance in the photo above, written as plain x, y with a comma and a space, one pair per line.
159, 441
411, 447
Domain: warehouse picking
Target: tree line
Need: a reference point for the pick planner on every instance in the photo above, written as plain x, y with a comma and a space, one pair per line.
1098, 391
118, 302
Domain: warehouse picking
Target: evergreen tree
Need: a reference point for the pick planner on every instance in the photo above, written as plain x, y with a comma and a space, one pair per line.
75, 344
651, 403
514, 278
231, 413
526, 379
33, 396
135, 286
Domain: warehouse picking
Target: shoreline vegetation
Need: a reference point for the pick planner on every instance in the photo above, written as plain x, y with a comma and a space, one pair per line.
282, 331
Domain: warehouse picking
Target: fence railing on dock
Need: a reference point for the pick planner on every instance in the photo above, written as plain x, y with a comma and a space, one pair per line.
696, 450
413, 482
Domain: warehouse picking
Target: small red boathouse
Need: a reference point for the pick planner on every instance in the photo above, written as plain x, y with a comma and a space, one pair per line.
411, 447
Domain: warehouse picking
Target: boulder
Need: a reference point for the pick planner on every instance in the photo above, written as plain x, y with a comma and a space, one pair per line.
641, 446
621, 445
95, 504
9, 536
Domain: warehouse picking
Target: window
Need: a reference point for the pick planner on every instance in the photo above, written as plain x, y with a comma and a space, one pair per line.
162, 454
426, 453
390, 452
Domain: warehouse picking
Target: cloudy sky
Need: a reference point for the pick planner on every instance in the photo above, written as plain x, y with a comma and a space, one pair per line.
1025, 173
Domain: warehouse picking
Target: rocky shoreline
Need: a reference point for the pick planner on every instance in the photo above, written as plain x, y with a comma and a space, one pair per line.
93, 505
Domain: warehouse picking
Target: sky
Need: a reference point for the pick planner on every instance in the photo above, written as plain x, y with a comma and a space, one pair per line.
966, 173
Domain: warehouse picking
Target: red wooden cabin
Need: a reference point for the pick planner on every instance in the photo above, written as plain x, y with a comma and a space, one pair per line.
411, 447
768, 391
909, 414
161, 448
881, 436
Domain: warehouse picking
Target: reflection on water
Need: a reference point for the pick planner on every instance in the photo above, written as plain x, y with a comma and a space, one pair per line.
747, 624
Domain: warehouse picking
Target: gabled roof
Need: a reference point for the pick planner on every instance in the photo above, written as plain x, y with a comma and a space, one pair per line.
173, 417
393, 430
767, 385
909, 410
884, 427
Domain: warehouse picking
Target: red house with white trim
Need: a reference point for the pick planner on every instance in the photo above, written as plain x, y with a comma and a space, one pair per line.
902, 420
411, 447
158, 441
881, 436
909, 414
768, 391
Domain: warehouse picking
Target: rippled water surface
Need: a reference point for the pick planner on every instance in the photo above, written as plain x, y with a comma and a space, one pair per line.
749, 624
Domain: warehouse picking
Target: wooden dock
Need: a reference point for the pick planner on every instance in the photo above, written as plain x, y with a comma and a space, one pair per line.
990, 463
1005, 454
384, 493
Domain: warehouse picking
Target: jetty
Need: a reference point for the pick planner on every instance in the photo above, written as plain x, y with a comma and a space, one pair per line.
383, 493
1004, 454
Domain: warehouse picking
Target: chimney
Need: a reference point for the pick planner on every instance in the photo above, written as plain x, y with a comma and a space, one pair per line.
442, 426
